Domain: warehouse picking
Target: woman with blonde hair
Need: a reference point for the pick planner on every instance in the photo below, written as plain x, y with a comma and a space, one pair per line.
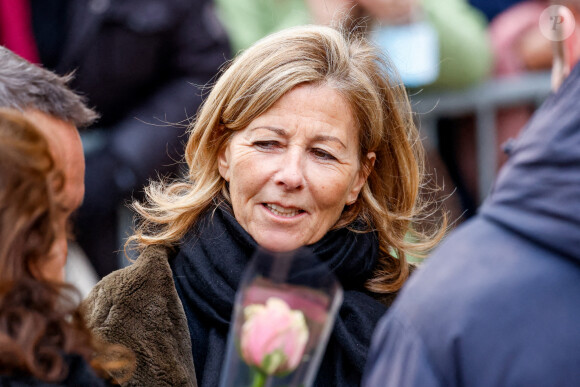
43, 338
307, 139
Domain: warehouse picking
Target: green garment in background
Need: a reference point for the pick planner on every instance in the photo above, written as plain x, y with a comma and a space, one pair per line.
465, 54
246, 21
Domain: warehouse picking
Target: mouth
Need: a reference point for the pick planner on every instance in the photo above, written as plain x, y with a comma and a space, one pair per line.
283, 211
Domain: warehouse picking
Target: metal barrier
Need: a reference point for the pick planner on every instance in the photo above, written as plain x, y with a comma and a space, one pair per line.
483, 101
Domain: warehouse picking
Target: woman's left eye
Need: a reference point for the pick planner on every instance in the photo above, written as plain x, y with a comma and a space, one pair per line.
322, 154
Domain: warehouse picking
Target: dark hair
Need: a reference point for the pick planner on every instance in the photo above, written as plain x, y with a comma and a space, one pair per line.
40, 321
24, 85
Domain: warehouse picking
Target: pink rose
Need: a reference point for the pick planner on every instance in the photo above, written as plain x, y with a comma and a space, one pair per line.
273, 336
314, 304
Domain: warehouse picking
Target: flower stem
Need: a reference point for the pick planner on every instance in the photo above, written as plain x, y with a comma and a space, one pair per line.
259, 379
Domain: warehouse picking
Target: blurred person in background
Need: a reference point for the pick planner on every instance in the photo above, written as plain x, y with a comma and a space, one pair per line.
464, 51
140, 63
519, 46
43, 337
46, 99
497, 303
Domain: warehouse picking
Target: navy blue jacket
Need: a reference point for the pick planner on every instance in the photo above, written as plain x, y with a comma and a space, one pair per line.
80, 374
498, 303
492, 8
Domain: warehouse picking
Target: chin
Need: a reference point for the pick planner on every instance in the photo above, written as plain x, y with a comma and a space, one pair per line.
279, 244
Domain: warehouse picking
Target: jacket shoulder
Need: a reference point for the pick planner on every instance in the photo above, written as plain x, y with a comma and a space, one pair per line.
127, 286
138, 307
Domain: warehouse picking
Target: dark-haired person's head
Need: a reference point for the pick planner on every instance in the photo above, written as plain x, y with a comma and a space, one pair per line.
45, 99
29, 183
42, 333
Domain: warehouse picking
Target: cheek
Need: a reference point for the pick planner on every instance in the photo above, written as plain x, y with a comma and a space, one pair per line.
248, 176
53, 267
330, 201
330, 189
242, 187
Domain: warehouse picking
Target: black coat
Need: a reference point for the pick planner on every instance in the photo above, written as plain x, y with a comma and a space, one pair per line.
141, 64
80, 374
140, 60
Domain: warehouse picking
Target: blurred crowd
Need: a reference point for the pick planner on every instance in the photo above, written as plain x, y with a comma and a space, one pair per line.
144, 67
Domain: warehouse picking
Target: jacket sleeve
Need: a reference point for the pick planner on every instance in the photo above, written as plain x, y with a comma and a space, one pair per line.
249, 20
398, 358
465, 51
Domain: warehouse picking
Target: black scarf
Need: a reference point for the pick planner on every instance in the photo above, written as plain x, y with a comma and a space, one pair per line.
207, 270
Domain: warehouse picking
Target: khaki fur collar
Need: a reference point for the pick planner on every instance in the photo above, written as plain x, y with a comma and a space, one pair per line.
139, 308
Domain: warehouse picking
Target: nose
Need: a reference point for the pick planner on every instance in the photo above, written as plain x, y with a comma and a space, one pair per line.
290, 173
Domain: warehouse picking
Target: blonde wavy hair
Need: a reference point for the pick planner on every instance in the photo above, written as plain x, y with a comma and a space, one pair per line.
389, 202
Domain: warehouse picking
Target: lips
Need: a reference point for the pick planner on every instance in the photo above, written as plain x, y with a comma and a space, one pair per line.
283, 211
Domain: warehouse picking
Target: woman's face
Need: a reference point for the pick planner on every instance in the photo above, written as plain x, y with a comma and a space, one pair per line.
294, 168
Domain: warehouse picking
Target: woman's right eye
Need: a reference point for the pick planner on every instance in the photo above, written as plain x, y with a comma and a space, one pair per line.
266, 144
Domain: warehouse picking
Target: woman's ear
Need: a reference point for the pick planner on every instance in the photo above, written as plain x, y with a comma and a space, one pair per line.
371, 157
224, 162
363, 175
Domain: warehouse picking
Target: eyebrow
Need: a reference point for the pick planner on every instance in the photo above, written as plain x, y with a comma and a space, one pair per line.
330, 138
283, 132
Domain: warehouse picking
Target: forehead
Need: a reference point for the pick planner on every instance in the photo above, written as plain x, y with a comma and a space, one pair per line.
314, 93
313, 105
